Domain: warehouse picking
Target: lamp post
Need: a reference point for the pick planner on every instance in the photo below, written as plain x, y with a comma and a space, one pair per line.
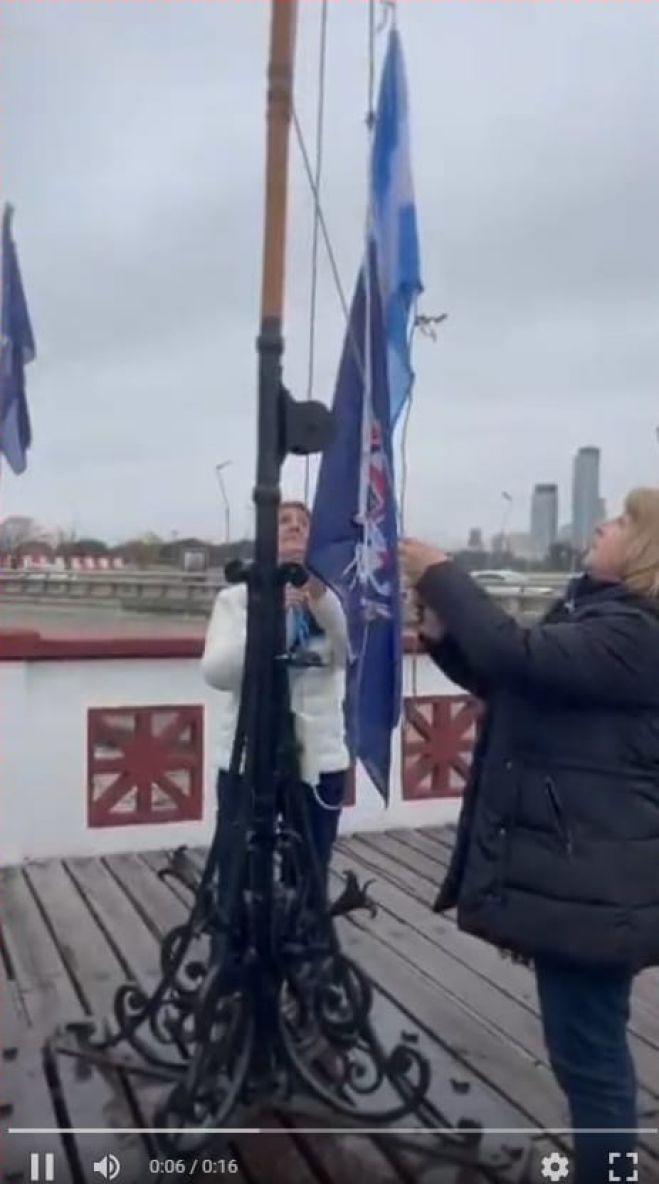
219, 469
505, 514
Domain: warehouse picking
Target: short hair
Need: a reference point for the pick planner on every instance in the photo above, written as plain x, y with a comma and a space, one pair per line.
641, 568
296, 505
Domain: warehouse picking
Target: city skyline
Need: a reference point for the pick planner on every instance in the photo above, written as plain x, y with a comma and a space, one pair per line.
138, 224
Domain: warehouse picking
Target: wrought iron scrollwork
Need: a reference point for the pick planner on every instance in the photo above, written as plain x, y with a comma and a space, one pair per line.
196, 1030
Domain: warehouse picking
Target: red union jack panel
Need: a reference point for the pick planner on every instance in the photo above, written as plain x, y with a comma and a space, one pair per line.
437, 745
144, 765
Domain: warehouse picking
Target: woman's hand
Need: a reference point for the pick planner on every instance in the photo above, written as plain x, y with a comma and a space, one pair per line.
294, 597
416, 557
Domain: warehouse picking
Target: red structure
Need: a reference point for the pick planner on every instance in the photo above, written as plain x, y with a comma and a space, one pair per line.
437, 745
144, 765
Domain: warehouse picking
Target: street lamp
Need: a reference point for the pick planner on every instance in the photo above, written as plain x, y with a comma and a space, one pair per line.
227, 507
505, 515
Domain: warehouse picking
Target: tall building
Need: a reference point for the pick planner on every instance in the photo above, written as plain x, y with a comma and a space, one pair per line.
544, 519
586, 502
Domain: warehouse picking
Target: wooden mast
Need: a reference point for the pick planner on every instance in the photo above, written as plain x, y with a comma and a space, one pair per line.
265, 682
280, 100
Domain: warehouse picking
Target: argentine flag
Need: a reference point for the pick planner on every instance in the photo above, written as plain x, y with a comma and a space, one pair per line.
393, 215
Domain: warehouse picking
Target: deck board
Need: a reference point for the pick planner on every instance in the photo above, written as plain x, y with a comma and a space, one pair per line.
47, 992
74, 930
380, 857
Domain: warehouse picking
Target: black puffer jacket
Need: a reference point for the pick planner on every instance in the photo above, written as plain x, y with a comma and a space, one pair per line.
558, 840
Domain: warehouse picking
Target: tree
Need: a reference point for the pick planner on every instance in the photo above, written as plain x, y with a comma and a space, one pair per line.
143, 551
17, 530
79, 548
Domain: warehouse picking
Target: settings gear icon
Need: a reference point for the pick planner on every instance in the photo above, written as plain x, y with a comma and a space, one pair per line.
555, 1167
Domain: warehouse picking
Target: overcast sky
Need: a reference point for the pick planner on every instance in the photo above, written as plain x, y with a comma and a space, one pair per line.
132, 144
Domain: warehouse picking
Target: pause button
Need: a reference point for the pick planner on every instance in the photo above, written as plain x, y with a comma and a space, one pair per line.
39, 1162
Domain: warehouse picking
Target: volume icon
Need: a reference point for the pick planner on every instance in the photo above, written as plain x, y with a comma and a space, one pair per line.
108, 1167
37, 1162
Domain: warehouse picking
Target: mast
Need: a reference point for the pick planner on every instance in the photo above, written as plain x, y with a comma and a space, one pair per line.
283, 25
264, 676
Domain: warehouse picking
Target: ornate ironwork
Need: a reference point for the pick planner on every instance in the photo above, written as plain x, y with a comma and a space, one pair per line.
196, 1031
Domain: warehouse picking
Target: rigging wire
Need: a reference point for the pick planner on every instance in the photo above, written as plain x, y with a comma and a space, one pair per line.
317, 177
370, 92
322, 222
402, 499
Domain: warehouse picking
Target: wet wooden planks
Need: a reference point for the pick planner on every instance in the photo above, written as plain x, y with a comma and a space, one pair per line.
406, 879
74, 930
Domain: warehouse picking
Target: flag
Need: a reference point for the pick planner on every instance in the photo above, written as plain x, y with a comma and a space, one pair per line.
16, 350
393, 215
353, 544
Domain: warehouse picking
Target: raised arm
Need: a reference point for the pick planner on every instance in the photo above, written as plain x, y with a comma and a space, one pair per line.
599, 659
448, 656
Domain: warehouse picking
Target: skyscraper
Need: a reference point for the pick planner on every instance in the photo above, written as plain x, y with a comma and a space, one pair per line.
544, 519
585, 496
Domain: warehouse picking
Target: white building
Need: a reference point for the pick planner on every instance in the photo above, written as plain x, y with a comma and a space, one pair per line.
544, 519
586, 501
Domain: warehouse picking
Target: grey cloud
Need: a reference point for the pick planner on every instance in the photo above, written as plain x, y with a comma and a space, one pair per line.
132, 148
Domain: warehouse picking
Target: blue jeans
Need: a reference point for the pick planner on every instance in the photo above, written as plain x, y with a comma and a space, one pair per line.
585, 1011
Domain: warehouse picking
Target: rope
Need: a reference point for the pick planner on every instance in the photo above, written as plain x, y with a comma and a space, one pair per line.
368, 351
402, 501
370, 91
322, 222
317, 176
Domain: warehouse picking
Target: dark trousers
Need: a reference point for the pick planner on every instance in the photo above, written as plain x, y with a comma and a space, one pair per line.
585, 1012
323, 822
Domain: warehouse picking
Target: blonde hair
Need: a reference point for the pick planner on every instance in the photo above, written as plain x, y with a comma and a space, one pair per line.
641, 568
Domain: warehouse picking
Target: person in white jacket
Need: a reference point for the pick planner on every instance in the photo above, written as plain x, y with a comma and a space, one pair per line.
315, 623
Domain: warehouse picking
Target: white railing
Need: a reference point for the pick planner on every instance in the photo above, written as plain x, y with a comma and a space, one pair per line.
55, 690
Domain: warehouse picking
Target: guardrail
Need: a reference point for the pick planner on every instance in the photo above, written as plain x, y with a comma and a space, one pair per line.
138, 590
193, 594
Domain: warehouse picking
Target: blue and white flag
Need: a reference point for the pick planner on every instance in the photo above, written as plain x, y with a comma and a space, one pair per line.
353, 545
16, 350
393, 214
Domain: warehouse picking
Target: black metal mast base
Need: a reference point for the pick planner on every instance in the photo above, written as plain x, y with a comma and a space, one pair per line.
196, 1033
194, 1036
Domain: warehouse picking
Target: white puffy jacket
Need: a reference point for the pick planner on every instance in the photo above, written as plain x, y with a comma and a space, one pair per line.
317, 692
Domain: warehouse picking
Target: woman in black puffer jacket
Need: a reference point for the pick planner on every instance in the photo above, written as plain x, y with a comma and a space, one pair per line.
557, 854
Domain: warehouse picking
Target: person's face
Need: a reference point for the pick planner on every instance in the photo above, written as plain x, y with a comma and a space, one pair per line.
605, 557
293, 534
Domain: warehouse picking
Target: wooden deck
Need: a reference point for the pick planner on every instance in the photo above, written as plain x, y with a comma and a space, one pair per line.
75, 929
